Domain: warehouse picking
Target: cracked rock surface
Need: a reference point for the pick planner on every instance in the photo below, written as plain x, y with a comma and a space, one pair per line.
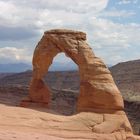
30, 124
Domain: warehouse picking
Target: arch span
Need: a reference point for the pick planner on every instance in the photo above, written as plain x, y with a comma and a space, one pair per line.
97, 88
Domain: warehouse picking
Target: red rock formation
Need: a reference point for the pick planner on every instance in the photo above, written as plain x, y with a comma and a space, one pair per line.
97, 88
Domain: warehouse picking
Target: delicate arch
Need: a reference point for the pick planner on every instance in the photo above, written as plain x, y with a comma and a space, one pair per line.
97, 88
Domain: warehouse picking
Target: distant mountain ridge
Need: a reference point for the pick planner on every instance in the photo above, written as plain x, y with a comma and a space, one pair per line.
15, 67
125, 74
127, 78
58, 66
21, 67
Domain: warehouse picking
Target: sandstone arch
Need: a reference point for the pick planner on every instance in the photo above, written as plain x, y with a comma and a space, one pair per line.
97, 88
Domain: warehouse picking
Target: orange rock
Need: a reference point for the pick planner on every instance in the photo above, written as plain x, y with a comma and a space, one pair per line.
30, 124
97, 88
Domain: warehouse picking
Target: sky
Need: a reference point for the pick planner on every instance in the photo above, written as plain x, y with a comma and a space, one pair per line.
112, 27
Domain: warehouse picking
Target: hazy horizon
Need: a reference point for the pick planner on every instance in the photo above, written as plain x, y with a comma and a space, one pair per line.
55, 66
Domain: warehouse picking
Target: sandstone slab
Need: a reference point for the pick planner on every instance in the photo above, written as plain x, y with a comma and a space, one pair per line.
23, 123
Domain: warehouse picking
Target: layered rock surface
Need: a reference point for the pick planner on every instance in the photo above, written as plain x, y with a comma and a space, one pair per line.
21, 123
98, 92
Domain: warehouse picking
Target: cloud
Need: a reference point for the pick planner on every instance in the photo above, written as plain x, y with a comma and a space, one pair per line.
25, 18
113, 41
14, 55
16, 33
115, 33
81, 6
25, 21
29, 11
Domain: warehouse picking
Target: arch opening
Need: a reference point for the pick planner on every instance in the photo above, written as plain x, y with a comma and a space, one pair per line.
63, 81
61, 62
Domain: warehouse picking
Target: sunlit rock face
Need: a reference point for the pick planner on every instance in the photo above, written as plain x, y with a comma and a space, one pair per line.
97, 88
